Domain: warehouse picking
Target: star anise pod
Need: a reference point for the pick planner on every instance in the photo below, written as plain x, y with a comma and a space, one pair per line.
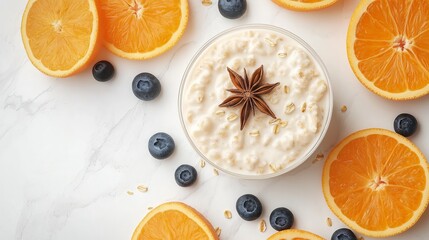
248, 93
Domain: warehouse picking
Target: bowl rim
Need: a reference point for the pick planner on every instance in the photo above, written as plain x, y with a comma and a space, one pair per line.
297, 162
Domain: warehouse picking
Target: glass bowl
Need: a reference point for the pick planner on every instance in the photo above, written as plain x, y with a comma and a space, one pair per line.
197, 62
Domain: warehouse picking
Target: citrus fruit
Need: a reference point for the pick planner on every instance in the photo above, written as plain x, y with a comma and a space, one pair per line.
142, 29
174, 220
387, 47
60, 36
376, 182
304, 5
294, 234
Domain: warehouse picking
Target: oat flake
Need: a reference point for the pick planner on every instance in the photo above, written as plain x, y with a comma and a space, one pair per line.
206, 2
282, 55
202, 163
319, 157
304, 107
329, 222
232, 117
270, 42
142, 188
227, 214
262, 226
218, 231
220, 112
276, 129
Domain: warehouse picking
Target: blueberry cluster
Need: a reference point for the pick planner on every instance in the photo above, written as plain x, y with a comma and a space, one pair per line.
249, 208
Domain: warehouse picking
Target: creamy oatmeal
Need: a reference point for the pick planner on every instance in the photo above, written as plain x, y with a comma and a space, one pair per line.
265, 145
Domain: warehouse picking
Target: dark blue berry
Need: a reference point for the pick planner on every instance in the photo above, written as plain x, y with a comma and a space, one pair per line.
248, 207
343, 234
103, 71
146, 86
232, 9
281, 219
405, 124
185, 175
161, 145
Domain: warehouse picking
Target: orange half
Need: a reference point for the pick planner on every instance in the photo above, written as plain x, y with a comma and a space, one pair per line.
376, 182
142, 29
305, 5
60, 36
174, 220
388, 47
294, 234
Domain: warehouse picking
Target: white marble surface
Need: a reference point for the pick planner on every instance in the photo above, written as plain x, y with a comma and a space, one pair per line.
70, 149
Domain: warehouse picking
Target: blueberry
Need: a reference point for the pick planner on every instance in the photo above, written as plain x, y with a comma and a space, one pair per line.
281, 219
405, 124
103, 71
161, 145
146, 86
343, 234
185, 175
248, 207
232, 9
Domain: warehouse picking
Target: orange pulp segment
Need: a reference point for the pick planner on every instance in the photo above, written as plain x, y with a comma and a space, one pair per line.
174, 220
376, 182
60, 36
388, 47
294, 234
305, 5
142, 29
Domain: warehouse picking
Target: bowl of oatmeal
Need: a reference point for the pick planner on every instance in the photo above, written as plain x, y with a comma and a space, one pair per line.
255, 101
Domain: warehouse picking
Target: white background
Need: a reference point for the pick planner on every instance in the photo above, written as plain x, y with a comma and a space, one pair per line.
70, 149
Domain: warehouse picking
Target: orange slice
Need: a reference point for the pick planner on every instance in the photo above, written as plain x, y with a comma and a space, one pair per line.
174, 220
294, 234
60, 36
376, 182
304, 5
388, 47
142, 29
